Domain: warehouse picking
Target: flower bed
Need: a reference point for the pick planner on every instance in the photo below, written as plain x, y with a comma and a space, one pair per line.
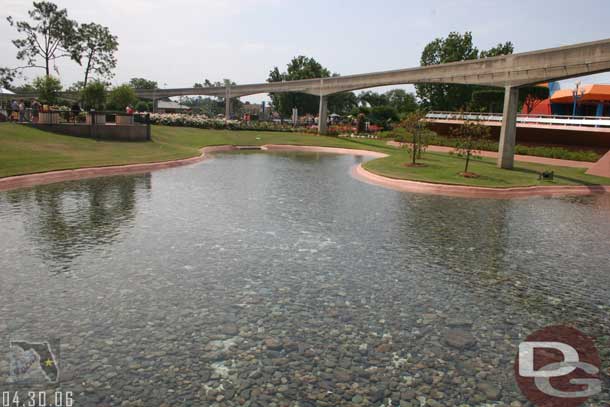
204, 122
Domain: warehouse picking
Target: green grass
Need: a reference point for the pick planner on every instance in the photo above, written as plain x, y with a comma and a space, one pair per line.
575, 153
24, 150
445, 168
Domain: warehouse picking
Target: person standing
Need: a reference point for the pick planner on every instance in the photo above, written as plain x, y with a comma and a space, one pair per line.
14, 110
35, 110
21, 108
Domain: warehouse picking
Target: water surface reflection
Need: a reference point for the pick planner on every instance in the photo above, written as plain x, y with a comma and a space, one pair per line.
270, 278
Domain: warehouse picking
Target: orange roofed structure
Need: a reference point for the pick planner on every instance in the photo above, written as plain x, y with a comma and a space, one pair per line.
592, 100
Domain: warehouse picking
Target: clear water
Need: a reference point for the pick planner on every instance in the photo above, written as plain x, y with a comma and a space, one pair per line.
267, 279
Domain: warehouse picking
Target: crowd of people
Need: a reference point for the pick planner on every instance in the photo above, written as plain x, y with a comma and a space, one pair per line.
22, 111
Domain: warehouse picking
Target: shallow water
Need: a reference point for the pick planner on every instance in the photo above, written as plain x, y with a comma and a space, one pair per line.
272, 278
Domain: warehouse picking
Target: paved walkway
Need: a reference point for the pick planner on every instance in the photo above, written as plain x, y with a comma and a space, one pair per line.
524, 158
602, 167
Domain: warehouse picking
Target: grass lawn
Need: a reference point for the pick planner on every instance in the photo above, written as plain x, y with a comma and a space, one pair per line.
445, 168
25, 150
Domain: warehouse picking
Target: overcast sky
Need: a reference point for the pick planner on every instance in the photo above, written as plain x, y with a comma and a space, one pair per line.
180, 42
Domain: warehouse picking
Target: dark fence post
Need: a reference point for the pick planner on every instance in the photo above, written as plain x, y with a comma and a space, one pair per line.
148, 126
92, 123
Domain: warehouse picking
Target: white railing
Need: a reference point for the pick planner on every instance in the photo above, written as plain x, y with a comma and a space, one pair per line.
589, 121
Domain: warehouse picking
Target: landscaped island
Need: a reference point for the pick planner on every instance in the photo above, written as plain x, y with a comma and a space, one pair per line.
24, 150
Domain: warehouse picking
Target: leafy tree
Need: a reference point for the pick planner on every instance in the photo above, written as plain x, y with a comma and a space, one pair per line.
121, 97
141, 83
456, 47
416, 126
383, 115
214, 107
76, 86
402, 101
470, 138
25, 88
372, 99
342, 103
142, 106
487, 100
500, 49
531, 96
48, 88
98, 46
94, 95
300, 67
492, 99
49, 35
7, 76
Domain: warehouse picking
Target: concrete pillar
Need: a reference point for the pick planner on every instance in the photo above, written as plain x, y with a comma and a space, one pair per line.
508, 133
227, 103
323, 116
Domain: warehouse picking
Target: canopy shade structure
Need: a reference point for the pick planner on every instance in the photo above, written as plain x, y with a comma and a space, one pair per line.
5, 91
591, 93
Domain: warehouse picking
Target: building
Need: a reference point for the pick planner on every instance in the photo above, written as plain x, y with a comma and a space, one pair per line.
591, 100
169, 106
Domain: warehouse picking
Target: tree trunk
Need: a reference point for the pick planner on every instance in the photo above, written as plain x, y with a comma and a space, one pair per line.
467, 161
413, 150
87, 69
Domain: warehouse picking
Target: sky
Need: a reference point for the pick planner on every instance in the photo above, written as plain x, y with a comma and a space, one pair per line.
180, 42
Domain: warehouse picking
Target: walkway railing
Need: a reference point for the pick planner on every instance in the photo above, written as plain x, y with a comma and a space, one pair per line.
551, 120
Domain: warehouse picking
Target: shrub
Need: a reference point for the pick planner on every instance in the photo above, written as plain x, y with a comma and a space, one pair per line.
94, 96
121, 97
47, 87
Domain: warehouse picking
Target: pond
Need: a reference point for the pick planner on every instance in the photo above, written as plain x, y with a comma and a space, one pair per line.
264, 279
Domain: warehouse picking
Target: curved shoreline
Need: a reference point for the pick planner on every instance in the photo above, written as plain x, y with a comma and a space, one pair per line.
358, 172
50, 177
464, 191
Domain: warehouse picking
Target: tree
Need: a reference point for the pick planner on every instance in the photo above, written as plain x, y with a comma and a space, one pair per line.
300, 67
470, 137
48, 88
402, 101
383, 115
342, 103
142, 106
93, 95
456, 47
531, 96
121, 97
487, 100
98, 47
372, 99
141, 83
7, 76
492, 100
416, 126
49, 36
500, 49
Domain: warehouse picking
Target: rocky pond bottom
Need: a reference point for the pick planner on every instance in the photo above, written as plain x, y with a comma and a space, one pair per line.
262, 279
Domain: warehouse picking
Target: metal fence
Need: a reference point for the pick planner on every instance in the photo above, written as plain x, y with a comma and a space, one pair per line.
551, 120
